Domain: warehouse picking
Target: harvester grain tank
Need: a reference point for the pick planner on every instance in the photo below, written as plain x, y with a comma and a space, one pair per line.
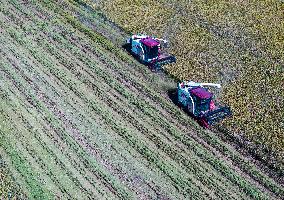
198, 101
149, 50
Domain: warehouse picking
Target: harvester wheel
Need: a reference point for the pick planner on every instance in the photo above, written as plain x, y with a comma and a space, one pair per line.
152, 67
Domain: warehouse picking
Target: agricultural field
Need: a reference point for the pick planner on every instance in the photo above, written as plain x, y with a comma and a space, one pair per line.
239, 44
82, 119
8, 186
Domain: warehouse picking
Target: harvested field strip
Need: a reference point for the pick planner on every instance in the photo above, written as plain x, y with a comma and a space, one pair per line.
49, 116
48, 161
69, 183
40, 140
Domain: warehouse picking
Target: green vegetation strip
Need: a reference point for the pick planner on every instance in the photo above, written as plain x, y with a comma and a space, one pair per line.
9, 184
45, 143
20, 164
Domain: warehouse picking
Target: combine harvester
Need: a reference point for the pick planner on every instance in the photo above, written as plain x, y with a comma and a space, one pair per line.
148, 50
198, 101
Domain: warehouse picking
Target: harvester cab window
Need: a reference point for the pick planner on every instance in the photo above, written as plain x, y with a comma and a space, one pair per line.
151, 52
204, 104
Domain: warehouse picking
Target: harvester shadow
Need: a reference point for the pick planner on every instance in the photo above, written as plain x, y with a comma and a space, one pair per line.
127, 47
172, 94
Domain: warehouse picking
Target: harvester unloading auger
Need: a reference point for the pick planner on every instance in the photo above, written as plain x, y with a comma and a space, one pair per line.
148, 50
198, 101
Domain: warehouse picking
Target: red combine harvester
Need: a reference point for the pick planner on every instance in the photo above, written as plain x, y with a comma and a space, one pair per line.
148, 50
198, 101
